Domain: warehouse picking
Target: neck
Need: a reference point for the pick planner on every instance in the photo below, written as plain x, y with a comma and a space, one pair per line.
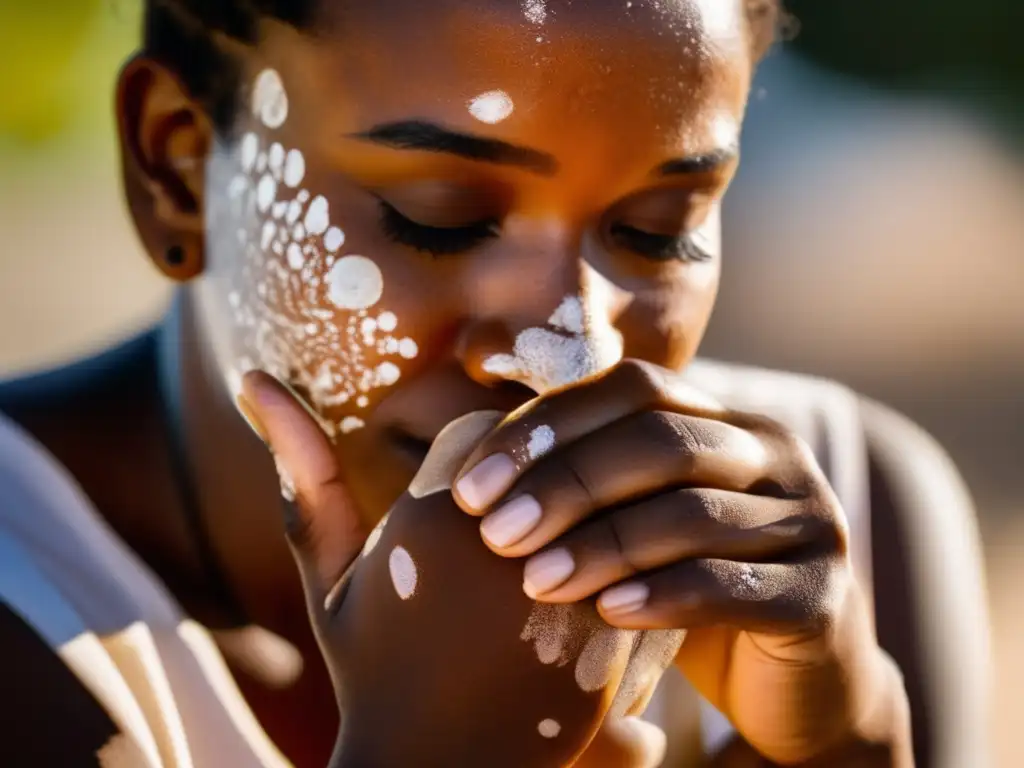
235, 491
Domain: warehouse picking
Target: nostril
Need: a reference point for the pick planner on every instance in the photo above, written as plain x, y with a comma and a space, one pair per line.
479, 342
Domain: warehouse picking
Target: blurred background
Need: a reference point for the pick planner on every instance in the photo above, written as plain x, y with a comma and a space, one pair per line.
881, 198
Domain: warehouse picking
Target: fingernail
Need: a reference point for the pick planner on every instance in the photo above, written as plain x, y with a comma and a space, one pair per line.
251, 418
547, 570
511, 522
485, 483
624, 598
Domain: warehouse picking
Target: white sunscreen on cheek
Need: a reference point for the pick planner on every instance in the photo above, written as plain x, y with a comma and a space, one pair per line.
302, 309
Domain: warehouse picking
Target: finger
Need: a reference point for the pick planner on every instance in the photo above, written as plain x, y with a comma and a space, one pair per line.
635, 457
679, 525
558, 419
322, 523
766, 598
627, 742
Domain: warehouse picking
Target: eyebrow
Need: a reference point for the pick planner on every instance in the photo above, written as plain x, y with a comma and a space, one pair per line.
429, 137
704, 163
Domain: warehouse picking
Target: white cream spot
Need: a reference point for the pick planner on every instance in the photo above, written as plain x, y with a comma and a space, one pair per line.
265, 193
492, 107
594, 666
388, 374
234, 378
355, 282
334, 239
276, 159
569, 315
374, 538
269, 100
295, 258
549, 628
294, 211
267, 235
535, 11
237, 188
387, 321
408, 349
317, 216
549, 728
250, 147
287, 484
350, 424
403, 572
548, 358
542, 441
294, 168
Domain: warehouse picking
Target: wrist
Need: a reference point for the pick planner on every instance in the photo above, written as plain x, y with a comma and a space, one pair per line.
882, 735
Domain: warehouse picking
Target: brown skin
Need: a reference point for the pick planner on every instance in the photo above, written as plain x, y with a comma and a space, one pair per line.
811, 643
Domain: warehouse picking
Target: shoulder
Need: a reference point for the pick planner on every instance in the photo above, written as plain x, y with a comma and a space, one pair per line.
932, 614
100, 379
821, 409
825, 413
893, 454
104, 405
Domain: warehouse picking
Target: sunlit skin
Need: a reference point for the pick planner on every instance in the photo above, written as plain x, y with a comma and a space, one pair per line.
631, 117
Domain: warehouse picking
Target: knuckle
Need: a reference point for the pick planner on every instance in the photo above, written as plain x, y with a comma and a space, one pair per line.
640, 376
694, 504
624, 539
572, 472
814, 608
676, 433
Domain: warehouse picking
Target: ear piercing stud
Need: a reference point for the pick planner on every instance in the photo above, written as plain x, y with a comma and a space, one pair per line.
175, 256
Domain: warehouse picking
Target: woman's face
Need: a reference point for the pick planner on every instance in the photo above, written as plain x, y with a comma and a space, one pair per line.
425, 203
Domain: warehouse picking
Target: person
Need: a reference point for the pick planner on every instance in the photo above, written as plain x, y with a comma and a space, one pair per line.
385, 219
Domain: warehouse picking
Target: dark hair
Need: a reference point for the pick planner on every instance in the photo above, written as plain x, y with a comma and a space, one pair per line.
182, 34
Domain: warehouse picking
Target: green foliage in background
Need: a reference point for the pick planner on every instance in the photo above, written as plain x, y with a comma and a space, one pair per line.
971, 49
57, 58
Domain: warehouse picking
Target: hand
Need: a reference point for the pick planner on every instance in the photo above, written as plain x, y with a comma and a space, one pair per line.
677, 512
426, 653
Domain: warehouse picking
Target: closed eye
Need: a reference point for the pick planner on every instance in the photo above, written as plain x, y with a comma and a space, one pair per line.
658, 247
436, 241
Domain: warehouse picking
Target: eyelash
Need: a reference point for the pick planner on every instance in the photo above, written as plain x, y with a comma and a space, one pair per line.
448, 241
659, 247
437, 241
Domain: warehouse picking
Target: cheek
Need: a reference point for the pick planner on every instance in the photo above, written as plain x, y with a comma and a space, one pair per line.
300, 298
665, 325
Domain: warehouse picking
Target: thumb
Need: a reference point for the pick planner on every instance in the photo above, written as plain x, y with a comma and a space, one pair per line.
321, 519
627, 741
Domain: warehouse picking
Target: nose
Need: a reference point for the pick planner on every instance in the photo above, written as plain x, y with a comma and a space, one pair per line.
570, 339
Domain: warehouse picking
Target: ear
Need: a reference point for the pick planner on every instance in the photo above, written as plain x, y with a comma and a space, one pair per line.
165, 137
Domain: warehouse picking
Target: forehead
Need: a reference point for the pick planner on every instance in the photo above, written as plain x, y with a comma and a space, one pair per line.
665, 72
